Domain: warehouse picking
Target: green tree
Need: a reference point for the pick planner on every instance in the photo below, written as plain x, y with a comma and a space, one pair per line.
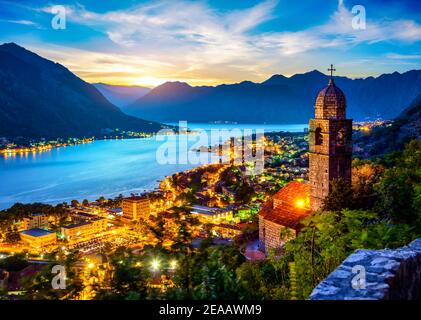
208, 273
340, 197
40, 286
129, 279
15, 262
75, 203
329, 237
399, 188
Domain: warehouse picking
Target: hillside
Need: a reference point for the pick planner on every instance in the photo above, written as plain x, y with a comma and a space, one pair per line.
121, 96
406, 126
40, 98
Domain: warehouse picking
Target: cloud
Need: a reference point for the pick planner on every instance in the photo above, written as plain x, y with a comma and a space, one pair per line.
189, 34
186, 40
339, 32
182, 24
403, 56
24, 22
168, 24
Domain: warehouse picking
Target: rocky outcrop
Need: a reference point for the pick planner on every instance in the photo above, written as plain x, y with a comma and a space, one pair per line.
375, 274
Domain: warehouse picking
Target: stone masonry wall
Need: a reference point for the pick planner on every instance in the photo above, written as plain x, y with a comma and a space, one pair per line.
389, 275
269, 235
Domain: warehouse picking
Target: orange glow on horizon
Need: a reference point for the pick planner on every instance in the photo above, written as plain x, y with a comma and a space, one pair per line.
152, 82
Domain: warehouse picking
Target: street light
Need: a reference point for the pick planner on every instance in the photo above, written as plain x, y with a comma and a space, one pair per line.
173, 264
155, 264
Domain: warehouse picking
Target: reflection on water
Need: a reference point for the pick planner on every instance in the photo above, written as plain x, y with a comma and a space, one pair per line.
87, 171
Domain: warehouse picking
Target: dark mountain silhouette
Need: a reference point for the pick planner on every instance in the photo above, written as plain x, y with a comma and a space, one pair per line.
277, 100
121, 96
243, 102
40, 98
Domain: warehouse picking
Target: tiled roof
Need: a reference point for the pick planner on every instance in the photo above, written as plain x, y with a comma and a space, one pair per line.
285, 212
293, 191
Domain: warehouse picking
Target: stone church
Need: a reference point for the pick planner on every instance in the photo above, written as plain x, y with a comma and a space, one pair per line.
330, 156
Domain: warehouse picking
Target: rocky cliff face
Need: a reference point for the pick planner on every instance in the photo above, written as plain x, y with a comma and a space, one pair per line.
375, 275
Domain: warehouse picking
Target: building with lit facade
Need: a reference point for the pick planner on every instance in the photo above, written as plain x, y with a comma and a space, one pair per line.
84, 228
136, 207
38, 220
212, 215
330, 156
38, 238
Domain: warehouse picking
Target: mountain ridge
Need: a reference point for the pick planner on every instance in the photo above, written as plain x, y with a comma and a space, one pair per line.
278, 99
42, 98
121, 95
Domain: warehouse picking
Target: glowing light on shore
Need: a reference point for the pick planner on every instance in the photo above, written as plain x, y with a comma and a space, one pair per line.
155, 264
173, 264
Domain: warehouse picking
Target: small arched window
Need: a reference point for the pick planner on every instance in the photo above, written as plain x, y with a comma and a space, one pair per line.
341, 137
318, 137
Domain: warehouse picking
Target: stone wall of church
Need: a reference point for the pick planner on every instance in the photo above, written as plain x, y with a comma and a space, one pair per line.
270, 234
329, 131
329, 160
318, 178
375, 274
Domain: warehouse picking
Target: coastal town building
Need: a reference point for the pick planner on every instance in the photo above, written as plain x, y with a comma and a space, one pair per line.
84, 228
330, 156
136, 207
280, 216
213, 215
38, 220
38, 238
226, 230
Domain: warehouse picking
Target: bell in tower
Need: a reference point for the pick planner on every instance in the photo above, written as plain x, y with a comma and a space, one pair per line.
330, 141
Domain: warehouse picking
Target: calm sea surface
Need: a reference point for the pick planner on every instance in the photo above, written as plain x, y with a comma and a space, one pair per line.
104, 167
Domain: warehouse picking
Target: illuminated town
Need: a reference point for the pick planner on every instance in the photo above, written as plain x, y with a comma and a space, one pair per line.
215, 201
209, 158
148, 246
155, 233
11, 149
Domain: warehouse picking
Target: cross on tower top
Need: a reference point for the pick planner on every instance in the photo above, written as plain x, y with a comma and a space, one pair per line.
331, 69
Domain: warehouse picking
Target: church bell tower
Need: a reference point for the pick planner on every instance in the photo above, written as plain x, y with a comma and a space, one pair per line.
330, 141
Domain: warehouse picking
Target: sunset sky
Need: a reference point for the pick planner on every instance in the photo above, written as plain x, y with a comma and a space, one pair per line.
216, 41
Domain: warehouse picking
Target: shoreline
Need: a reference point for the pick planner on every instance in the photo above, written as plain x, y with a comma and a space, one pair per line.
113, 195
149, 187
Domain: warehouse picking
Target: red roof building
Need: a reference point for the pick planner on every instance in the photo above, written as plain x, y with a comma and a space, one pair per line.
330, 157
282, 214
